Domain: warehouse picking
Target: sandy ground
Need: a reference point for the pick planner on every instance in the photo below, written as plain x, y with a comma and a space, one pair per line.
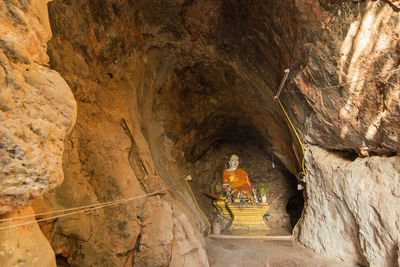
264, 253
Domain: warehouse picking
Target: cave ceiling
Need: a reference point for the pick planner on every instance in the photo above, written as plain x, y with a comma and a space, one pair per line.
216, 65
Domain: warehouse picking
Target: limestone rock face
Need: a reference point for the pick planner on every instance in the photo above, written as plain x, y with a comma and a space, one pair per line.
24, 245
170, 232
352, 208
188, 248
349, 81
353, 89
37, 107
107, 155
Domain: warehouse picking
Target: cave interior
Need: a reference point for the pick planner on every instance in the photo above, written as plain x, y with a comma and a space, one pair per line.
205, 102
120, 99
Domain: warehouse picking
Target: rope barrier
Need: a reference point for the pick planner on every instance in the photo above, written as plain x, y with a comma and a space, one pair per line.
85, 209
198, 207
58, 211
303, 170
339, 85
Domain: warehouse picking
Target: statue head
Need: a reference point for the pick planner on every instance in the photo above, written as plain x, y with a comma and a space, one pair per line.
233, 162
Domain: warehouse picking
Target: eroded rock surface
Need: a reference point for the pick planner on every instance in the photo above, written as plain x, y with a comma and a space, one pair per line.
352, 207
353, 89
107, 156
25, 245
170, 232
37, 108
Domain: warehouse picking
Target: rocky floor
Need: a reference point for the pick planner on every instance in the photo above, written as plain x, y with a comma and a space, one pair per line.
264, 253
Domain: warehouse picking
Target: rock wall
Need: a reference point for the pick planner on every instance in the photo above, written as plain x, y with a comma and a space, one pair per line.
194, 82
107, 156
37, 110
353, 89
353, 94
37, 106
352, 207
25, 245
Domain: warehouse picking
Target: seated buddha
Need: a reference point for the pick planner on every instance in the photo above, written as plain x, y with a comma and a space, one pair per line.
236, 177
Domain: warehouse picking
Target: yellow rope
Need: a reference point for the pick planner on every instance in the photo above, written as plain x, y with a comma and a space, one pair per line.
197, 205
297, 135
303, 172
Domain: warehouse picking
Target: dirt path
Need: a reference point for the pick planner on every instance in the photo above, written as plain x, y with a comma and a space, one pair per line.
264, 253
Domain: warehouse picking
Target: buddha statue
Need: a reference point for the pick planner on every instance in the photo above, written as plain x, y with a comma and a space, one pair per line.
236, 178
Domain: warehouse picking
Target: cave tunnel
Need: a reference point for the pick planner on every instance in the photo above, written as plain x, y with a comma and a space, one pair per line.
207, 106
112, 104
211, 118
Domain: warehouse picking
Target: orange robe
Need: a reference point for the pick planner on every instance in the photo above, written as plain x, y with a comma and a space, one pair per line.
238, 179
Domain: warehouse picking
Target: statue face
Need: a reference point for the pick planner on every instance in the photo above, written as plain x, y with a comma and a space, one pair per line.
234, 162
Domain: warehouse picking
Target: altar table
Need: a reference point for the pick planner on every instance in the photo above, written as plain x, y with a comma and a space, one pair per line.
245, 216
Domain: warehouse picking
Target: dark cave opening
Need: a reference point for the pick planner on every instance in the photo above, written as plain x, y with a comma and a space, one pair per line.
62, 261
295, 208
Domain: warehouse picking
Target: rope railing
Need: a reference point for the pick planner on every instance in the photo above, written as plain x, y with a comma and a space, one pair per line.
303, 170
71, 212
197, 205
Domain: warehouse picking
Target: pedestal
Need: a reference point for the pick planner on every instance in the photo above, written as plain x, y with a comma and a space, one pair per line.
248, 216
220, 204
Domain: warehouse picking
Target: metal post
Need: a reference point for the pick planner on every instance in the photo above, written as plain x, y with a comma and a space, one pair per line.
282, 83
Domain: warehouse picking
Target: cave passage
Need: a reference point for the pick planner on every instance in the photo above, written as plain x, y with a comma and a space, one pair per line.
203, 105
103, 101
211, 117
